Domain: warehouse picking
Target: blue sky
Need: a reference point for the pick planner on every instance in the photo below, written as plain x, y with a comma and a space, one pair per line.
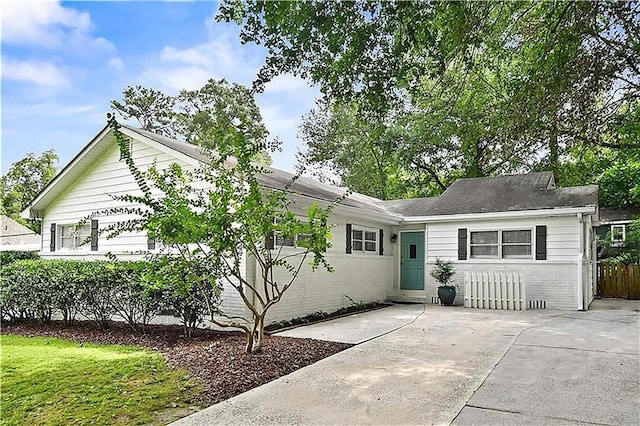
63, 62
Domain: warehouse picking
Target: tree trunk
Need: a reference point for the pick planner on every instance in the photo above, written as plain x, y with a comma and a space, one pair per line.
255, 337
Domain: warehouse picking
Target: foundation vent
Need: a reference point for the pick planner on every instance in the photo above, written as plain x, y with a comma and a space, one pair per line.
435, 300
537, 304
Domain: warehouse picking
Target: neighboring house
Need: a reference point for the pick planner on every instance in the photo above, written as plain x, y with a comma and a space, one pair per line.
614, 226
382, 250
14, 236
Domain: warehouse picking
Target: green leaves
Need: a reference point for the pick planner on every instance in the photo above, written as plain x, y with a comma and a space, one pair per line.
152, 109
209, 220
469, 88
23, 181
220, 115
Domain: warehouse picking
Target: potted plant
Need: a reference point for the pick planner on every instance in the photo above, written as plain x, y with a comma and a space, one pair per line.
442, 272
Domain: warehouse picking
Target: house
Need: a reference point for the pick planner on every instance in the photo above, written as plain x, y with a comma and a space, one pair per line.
17, 237
614, 225
515, 226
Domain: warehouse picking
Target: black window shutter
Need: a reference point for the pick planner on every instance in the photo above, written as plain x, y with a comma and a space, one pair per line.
462, 244
94, 234
381, 243
151, 242
541, 242
52, 243
348, 238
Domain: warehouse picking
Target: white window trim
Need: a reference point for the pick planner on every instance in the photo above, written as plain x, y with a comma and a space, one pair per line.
76, 247
500, 244
364, 240
618, 242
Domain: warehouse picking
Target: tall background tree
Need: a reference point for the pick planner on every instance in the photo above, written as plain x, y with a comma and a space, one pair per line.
470, 88
23, 181
219, 107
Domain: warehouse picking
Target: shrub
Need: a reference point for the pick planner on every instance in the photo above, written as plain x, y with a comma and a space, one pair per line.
8, 257
66, 277
186, 290
442, 272
14, 294
96, 287
133, 299
98, 290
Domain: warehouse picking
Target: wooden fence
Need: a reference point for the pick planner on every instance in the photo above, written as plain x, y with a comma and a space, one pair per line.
494, 290
617, 280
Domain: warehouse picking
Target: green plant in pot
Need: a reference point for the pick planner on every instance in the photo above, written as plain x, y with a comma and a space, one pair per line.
443, 272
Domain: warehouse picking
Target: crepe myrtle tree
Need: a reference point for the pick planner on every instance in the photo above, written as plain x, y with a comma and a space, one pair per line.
210, 219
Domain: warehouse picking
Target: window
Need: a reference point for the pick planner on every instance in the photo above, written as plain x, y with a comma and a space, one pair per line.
71, 236
413, 251
289, 241
618, 235
501, 244
364, 240
484, 245
516, 244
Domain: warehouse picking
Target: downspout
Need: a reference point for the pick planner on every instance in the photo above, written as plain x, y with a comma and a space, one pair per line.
594, 263
580, 265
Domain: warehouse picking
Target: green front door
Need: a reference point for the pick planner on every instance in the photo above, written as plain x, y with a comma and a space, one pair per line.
412, 260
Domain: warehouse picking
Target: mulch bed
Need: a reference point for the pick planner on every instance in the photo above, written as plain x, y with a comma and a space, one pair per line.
217, 358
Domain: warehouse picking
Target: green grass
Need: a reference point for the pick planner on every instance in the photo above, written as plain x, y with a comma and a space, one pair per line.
52, 381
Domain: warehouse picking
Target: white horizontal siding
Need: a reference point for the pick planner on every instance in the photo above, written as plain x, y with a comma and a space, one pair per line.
92, 191
563, 236
554, 280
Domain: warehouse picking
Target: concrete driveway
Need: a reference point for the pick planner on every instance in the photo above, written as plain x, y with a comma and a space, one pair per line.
463, 366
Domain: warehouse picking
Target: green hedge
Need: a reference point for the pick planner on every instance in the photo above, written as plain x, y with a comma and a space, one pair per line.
8, 257
94, 290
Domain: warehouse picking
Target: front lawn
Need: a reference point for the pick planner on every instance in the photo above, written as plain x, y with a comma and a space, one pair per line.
46, 380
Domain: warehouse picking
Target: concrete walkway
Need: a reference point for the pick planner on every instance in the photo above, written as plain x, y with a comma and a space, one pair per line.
422, 373
581, 368
466, 366
360, 328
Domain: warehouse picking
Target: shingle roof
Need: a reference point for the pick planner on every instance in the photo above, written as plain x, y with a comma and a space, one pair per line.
611, 214
13, 233
532, 191
275, 178
192, 151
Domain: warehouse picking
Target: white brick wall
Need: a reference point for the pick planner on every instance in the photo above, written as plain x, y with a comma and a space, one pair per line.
555, 283
358, 277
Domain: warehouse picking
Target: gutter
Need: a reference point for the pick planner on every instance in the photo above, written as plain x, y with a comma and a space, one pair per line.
564, 211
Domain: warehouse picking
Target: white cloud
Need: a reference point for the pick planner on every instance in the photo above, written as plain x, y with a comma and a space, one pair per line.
116, 63
172, 80
190, 68
48, 24
287, 83
40, 73
21, 110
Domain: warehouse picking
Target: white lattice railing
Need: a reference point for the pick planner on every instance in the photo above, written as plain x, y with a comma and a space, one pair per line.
494, 290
